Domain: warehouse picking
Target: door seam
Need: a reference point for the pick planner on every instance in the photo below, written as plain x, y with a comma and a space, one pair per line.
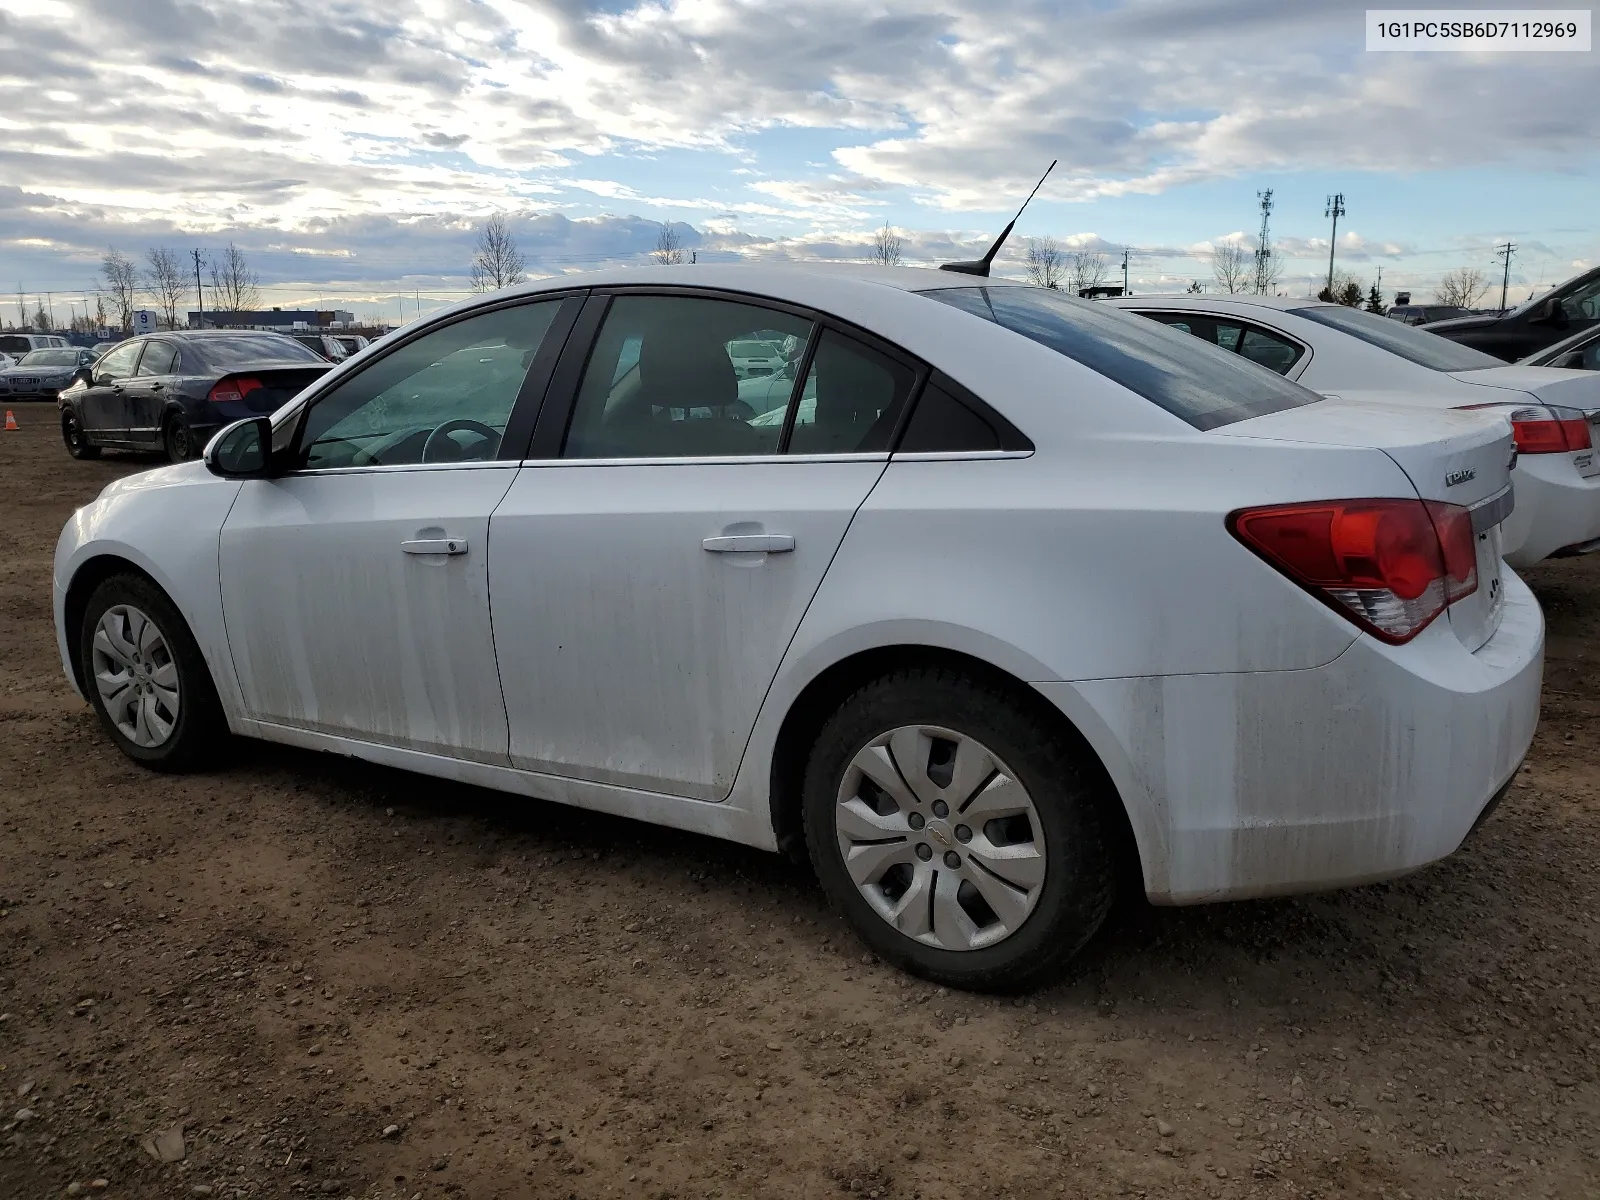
788, 645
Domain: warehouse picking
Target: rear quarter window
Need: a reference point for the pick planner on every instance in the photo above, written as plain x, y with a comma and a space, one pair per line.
1189, 378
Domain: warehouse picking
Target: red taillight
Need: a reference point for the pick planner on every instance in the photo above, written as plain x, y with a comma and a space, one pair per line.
233, 387
1391, 566
1541, 429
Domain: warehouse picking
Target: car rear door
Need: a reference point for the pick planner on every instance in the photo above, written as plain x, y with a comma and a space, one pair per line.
654, 557
355, 587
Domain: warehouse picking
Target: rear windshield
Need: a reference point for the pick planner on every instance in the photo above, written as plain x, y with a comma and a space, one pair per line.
236, 350
1193, 381
13, 344
50, 358
1410, 343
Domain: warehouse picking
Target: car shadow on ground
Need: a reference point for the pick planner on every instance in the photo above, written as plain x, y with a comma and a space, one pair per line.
1289, 954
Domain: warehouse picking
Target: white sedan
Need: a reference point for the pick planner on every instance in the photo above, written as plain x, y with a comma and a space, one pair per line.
1357, 355
1029, 595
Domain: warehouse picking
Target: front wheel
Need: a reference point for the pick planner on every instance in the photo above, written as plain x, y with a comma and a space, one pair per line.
78, 444
146, 678
957, 829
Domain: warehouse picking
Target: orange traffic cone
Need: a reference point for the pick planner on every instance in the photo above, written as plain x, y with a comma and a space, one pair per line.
11, 422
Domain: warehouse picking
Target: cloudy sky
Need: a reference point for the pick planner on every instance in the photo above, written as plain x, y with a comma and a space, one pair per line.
351, 147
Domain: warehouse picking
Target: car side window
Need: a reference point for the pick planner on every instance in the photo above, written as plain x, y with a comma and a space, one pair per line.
852, 399
1269, 350
444, 397
662, 381
159, 358
117, 364
941, 423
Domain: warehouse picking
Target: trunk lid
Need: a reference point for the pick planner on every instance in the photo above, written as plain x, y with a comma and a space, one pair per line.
1546, 385
279, 384
1458, 457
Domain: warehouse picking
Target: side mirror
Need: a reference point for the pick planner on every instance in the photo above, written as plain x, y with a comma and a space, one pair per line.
1549, 312
240, 450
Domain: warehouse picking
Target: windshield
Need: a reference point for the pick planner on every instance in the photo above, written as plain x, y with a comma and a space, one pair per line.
1193, 381
1412, 344
1540, 297
240, 349
50, 358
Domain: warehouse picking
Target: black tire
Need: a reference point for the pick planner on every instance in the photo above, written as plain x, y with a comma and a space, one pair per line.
1068, 790
78, 443
178, 439
201, 730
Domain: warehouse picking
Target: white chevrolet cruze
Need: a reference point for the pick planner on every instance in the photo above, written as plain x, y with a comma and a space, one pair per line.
1355, 355
1027, 594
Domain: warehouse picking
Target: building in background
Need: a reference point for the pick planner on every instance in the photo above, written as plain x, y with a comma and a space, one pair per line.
281, 320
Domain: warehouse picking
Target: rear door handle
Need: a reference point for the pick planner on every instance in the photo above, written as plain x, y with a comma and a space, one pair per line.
434, 546
750, 543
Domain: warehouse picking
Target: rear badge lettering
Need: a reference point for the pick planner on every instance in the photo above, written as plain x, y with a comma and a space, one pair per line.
1465, 475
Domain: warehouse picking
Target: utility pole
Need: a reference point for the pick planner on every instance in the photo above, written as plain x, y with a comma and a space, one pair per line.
1505, 252
1125, 271
199, 296
50, 309
1335, 210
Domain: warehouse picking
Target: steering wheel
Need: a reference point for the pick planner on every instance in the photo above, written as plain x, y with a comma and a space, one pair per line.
440, 438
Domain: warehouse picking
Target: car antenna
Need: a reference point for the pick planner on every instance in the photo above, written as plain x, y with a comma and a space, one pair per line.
980, 266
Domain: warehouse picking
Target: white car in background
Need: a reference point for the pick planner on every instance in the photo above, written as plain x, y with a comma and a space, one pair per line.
1031, 594
1356, 355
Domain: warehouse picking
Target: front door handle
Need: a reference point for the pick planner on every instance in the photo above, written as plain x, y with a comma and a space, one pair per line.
434, 546
750, 543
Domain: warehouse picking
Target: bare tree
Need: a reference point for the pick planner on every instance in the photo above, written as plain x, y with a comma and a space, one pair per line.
122, 282
1462, 287
886, 247
166, 282
235, 288
496, 262
1088, 269
669, 246
41, 320
1233, 267
1046, 262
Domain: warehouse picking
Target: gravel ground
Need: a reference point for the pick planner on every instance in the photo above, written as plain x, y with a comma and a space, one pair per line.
340, 980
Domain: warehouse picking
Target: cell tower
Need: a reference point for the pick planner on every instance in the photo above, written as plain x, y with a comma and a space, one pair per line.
1263, 273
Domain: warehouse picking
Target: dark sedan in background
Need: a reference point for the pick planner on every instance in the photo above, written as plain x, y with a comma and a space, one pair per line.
44, 374
1565, 310
172, 391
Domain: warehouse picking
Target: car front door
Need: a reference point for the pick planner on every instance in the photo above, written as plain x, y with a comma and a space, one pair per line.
652, 561
103, 406
145, 394
355, 586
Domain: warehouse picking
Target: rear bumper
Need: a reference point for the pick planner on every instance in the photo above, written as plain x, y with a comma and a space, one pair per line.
1266, 783
1556, 509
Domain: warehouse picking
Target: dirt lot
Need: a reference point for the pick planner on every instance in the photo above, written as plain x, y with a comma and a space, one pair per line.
346, 981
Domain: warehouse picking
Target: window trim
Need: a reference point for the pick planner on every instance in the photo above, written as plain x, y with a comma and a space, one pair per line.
1296, 368
524, 409
561, 399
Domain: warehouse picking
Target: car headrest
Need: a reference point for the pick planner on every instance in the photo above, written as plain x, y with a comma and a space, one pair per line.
686, 369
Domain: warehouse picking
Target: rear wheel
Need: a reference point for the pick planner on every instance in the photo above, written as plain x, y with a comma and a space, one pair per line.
78, 444
178, 439
962, 836
146, 678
